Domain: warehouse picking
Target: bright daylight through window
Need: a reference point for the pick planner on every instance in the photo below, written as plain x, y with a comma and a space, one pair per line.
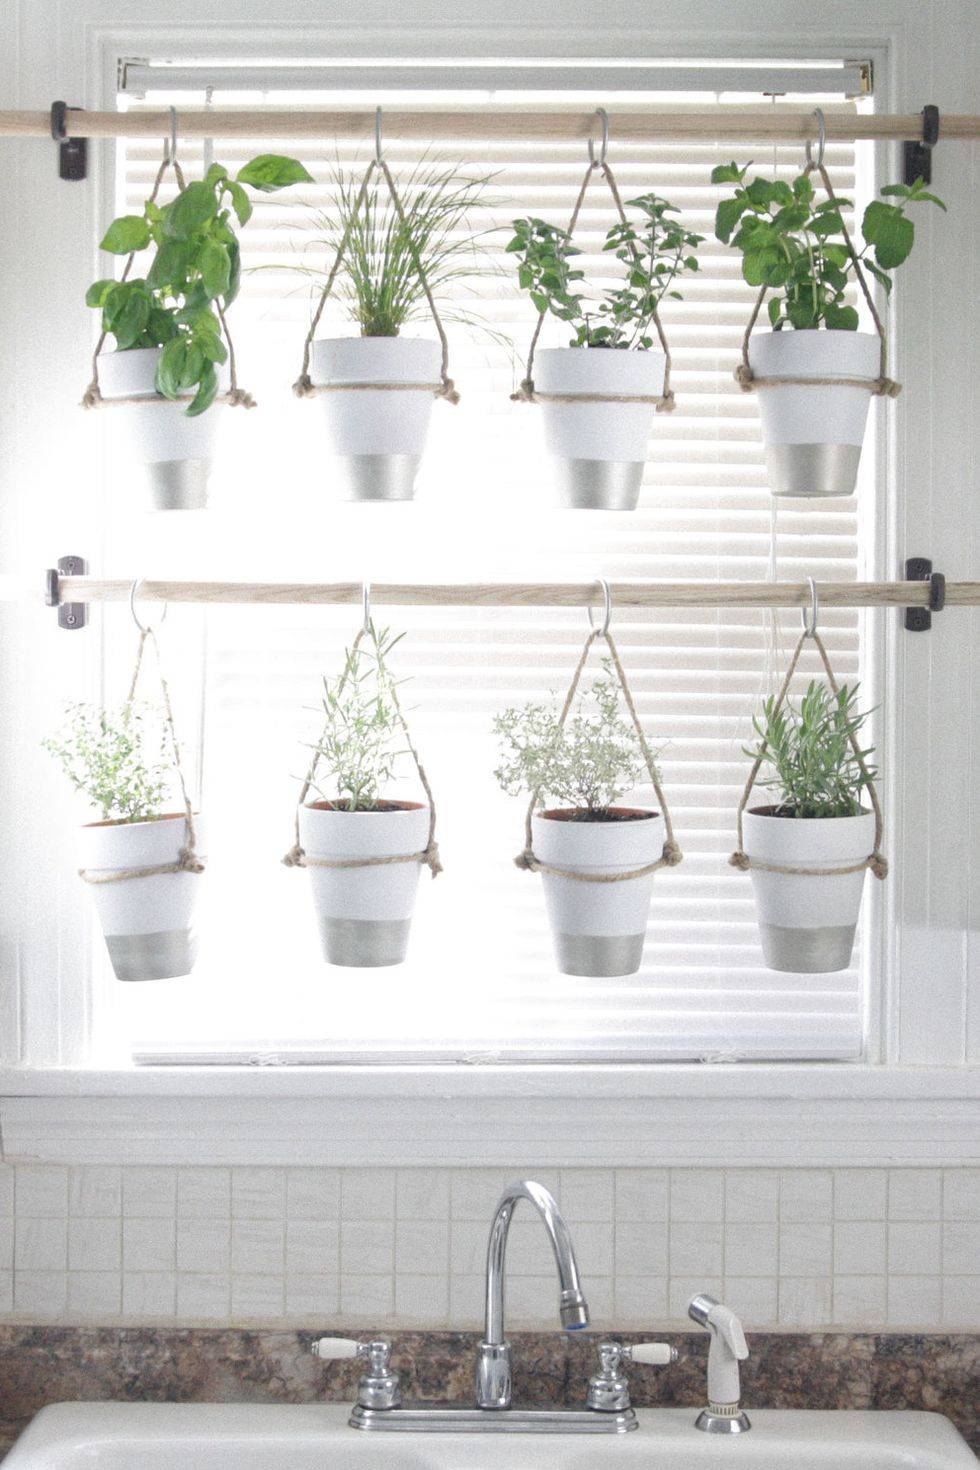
480, 980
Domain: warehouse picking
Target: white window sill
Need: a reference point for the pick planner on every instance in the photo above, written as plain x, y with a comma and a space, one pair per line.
498, 1116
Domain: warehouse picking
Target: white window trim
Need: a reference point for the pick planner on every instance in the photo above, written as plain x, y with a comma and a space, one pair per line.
676, 1113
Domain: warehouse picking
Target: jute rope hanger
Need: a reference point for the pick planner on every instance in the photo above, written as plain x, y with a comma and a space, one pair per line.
876, 861
188, 860
527, 392
881, 387
304, 387
671, 854
235, 397
296, 857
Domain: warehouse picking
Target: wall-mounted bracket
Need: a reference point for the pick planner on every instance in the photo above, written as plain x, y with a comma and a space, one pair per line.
917, 156
72, 152
919, 569
71, 615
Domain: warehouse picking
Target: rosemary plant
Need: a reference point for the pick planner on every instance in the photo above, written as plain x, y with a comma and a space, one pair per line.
588, 764
815, 770
362, 737
117, 759
379, 276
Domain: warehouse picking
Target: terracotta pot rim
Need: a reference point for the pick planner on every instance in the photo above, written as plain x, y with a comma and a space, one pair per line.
570, 813
388, 809
143, 821
772, 811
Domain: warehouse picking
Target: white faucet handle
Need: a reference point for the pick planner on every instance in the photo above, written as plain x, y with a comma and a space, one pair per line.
658, 1354
336, 1347
731, 1330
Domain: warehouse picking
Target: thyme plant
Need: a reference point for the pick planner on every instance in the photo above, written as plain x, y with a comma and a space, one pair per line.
815, 770
588, 765
193, 277
362, 737
378, 275
656, 252
117, 759
796, 246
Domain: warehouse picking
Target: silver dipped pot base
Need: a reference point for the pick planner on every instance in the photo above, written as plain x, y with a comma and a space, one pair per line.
807, 951
599, 954
364, 943
598, 484
812, 469
377, 476
178, 484
161, 956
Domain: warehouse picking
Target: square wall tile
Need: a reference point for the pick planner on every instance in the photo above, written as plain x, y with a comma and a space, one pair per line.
257, 1295
6, 1189
860, 1194
859, 1301
422, 1299
640, 1301
258, 1246
368, 1299
422, 1194
41, 1294
961, 1194
961, 1247
149, 1193
806, 1195
6, 1291
751, 1195
312, 1246
149, 1244
6, 1244
804, 1249
94, 1245
859, 1248
961, 1302
258, 1194
313, 1194
681, 1289
367, 1247
422, 1247
805, 1301
95, 1293
697, 1195
696, 1249
914, 1301
751, 1249
915, 1194
588, 1196
203, 1194
914, 1247
755, 1299
367, 1194
41, 1189
641, 1249
203, 1296
312, 1298
642, 1195
148, 1295
203, 1246
40, 1245
95, 1193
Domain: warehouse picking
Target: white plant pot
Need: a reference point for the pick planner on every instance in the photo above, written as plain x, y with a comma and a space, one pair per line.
599, 450
378, 437
364, 914
148, 923
807, 923
176, 451
597, 928
813, 435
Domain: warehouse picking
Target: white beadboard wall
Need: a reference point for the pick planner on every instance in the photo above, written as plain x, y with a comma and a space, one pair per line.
404, 1248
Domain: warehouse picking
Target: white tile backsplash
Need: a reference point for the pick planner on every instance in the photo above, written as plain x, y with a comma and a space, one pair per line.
792, 1248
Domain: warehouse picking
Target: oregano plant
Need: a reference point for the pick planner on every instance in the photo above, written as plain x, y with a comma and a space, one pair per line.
657, 251
588, 764
796, 246
194, 274
807, 747
362, 738
117, 759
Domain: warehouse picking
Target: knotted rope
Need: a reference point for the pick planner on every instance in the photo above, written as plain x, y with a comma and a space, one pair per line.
876, 861
296, 857
304, 387
671, 854
236, 397
527, 392
187, 858
881, 387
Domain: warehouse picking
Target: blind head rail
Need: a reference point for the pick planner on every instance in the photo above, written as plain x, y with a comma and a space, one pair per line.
547, 124
634, 595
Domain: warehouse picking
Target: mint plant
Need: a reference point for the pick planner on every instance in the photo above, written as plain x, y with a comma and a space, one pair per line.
587, 764
362, 737
815, 769
117, 759
656, 253
194, 275
796, 246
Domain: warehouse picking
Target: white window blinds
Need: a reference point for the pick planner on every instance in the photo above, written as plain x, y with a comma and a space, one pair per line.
480, 981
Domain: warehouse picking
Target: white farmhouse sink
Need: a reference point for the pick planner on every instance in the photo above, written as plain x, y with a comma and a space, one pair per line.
315, 1437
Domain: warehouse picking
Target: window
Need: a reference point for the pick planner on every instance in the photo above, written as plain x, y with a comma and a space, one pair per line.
480, 981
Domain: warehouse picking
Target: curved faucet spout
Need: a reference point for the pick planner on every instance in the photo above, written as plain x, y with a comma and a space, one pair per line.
493, 1363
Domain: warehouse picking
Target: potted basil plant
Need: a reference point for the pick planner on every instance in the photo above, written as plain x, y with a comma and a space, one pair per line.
378, 435
816, 821
599, 450
364, 912
119, 761
168, 324
579, 774
796, 247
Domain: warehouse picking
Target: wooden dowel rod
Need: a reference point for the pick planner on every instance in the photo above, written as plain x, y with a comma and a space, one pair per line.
525, 594
546, 125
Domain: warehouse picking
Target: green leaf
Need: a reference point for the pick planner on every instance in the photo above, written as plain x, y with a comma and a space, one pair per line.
900, 191
841, 318
212, 347
234, 272
169, 265
729, 173
129, 322
241, 203
98, 291
172, 376
215, 173
727, 216
775, 309
215, 267
891, 234
161, 327
128, 233
194, 206
206, 392
270, 171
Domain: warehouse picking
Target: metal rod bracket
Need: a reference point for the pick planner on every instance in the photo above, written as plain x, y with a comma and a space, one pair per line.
72, 152
917, 156
919, 569
71, 615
